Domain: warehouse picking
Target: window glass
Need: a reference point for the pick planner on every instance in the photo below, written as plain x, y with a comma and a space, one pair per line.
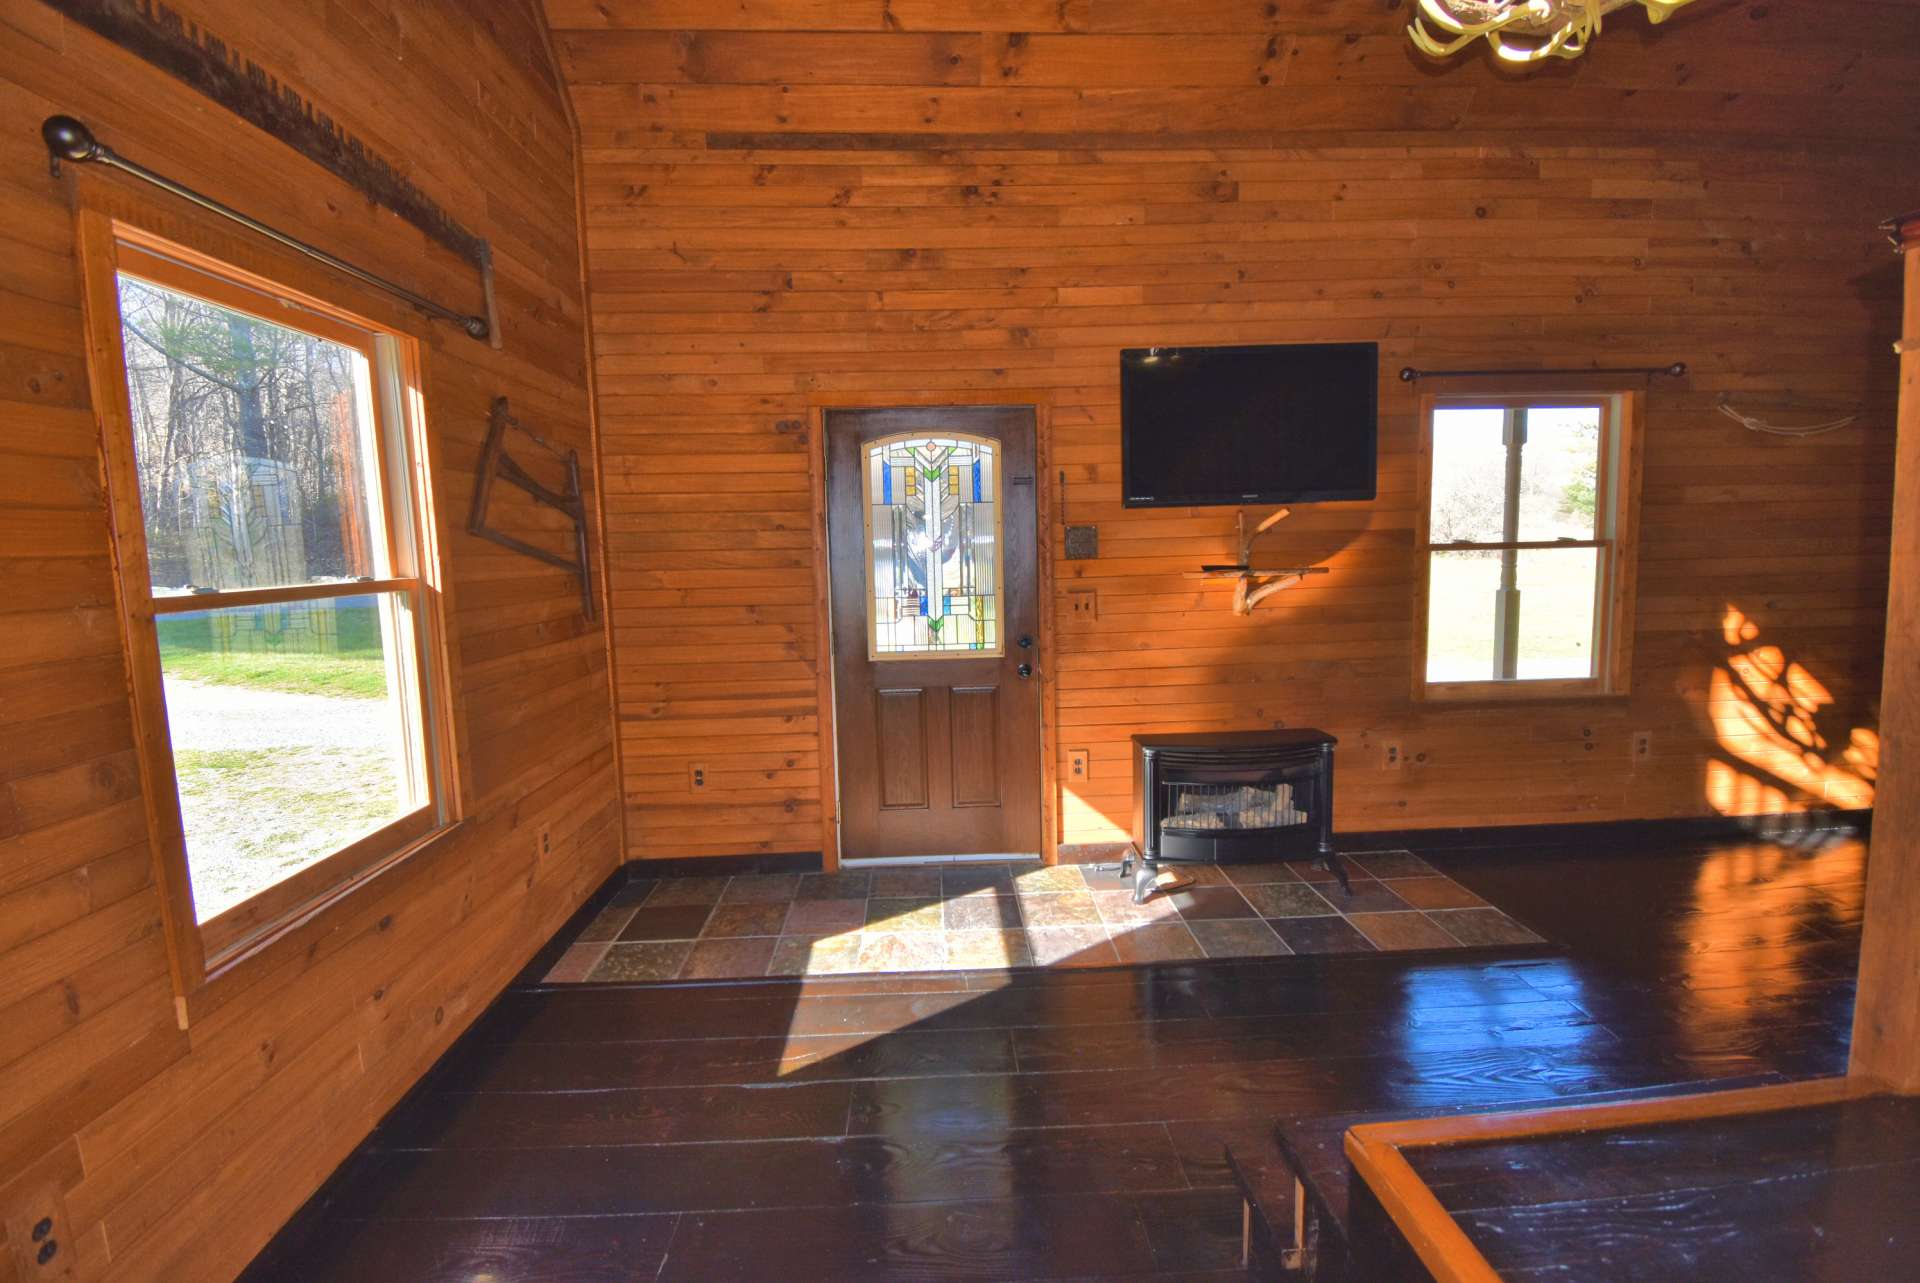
1469, 475
934, 533
290, 737
1502, 476
1559, 473
254, 447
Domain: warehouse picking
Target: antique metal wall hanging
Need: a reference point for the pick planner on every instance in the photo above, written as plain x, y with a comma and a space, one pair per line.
496, 463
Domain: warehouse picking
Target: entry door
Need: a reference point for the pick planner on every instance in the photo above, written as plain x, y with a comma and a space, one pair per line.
931, 525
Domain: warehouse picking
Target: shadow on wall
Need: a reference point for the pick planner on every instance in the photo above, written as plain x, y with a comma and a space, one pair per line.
1780, 750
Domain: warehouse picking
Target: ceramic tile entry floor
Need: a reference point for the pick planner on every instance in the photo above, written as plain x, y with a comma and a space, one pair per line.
983, 916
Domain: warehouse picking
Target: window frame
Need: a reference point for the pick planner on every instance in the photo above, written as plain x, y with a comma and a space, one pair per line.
1616, 537
117, 232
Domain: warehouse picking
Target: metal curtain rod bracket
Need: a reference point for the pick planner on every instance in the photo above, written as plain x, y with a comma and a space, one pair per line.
69, 140
1675, 371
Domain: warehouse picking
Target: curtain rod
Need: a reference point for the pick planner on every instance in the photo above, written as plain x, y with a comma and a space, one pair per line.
1410, 375
68, 139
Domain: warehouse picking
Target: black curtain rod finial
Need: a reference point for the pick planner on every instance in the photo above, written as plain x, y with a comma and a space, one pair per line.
68, 139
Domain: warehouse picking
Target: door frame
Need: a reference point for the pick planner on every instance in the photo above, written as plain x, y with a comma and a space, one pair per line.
1040, 401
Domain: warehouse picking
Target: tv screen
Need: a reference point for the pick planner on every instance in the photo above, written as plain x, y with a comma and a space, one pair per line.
1254, 425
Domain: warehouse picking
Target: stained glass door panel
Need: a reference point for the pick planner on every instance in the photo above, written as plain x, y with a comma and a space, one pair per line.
933, 547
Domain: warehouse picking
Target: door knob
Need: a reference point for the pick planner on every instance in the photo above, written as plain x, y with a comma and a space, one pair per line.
1025, 670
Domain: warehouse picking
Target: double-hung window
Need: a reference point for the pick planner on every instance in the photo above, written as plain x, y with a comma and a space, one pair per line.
271, 513
1526, 546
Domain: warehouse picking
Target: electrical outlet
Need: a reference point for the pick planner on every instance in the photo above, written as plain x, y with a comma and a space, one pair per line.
1642, 747
1391, 758
1084, 602
543, 842
696, 776
1077, 759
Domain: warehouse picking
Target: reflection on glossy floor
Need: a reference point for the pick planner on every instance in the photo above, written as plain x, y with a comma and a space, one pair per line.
1046, 1123
972, 916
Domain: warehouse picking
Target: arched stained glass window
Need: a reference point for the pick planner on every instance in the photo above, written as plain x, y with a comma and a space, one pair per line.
933, 547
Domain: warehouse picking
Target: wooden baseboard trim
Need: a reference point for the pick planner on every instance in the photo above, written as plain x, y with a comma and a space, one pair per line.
721, 866
1779, 828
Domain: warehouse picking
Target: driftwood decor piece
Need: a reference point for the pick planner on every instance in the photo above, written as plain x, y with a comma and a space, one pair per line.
497, 464
1253, 586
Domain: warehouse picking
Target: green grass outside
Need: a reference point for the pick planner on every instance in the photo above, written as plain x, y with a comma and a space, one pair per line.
255, 816
1556, 615
357, 669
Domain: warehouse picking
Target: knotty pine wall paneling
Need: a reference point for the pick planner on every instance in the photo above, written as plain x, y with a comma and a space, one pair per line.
176, 1154
793, 201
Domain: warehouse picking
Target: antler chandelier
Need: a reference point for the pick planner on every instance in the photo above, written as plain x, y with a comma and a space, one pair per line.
1520, 31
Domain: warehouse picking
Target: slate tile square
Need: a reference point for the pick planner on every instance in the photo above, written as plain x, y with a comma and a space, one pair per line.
686, 891
1402, 931
1211, 902
576, 963
1308, 871
650, 960
606, 924
746, 920
982, 910
1288, 900
672, 922
1238, 938
1065, 909
1117, 907
844, 885
761, 888
1482, 926
903, 950
729, 959
634, 893
893, 884
1365, 896
815, 955
1154, 942
824, 917
1331, 934
1250, 875
905, 913
1391, 864
1434, 893
964, 879
988, 948
1106, 877
1056, 879
1072, 947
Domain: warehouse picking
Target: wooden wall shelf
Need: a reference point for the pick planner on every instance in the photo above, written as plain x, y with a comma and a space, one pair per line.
1256, 584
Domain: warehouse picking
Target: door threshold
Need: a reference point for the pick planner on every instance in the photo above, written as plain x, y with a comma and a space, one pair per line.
995, 857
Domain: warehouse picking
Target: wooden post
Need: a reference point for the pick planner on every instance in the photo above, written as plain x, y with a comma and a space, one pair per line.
1886, 1021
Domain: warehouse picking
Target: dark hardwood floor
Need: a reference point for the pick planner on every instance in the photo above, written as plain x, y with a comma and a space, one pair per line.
1058, 1124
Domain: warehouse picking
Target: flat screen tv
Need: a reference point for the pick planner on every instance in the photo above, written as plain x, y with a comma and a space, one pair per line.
1293, 423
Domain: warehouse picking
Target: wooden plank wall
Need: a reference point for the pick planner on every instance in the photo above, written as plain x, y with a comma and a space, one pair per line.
791, 200
179, 1153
